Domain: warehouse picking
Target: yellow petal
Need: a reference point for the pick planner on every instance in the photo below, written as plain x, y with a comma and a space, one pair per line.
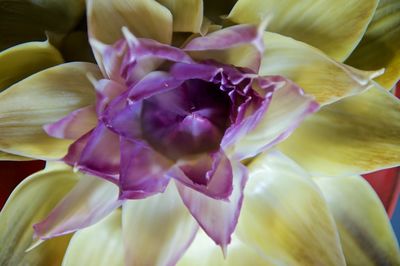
157, 229
26, 59
41, 99
98, 245
285, 216
356, 135
365, 232
380, 46
311, 69
334, 26
28, 20
204, 252
187, 14
144, 18
30, 202
4, 156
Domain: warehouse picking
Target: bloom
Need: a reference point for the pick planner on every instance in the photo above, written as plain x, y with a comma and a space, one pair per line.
160, 102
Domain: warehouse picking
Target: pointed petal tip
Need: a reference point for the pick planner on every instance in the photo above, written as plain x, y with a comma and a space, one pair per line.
129, 37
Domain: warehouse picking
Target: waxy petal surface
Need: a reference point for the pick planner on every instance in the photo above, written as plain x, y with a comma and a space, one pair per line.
88, 202
285, 217
157, 230
334, 26
365, 232
356, 135
41, 99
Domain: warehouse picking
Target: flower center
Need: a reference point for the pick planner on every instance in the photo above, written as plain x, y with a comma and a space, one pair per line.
188, 120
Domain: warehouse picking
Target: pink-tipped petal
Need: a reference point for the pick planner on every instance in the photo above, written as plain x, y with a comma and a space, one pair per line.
143, 170
218, 218
74, 125
89, 201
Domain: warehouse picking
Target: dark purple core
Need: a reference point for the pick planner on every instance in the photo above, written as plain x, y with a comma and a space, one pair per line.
187, 120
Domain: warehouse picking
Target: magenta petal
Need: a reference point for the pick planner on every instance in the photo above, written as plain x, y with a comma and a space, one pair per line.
75, 150
101, 155
107, 90
74, 125
143, 170
210, 174
218, 218
88, 202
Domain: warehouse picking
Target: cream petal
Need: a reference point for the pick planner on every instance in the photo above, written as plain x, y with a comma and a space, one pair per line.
41, 99
311, 69
156, 230
356, 135
31, 201
203, 252
380, 45
285, 217
365, 232
98, 245
334, 26
4, 156
187, 14
23, 60
144, 18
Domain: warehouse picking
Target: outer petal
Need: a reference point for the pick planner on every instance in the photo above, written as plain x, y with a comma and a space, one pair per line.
143, 170
203, 252
41, 99
30, 202
74, 125
285, 217
30, 20
187, 14
218, 218
144, 18
88, 202
365, 231
20, 61
311, 69
156, 230
276, 120
334, 26
379, 46
240, 45
358, 134
98, 245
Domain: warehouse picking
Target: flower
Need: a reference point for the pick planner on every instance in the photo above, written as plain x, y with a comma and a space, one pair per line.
304, 202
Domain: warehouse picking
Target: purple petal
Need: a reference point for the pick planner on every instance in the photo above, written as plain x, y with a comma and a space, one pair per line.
88, 202
74, 125
142, 170
75, 150
210, 174
101, 155
107, 90
217, 218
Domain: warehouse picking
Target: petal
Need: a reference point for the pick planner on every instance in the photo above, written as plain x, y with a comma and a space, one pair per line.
30, 20
378, 48
101, 155
311, 69
365, 232
356, 135
203, 252
31, 201
276, 120
210, 174
41, 99
218, 218
334, 26
240, 45
98, 245
107, 90
143, 170
23, 60
88, 202
285, 217
12, 157
74, 125
187, 15
156, 230
144, 18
